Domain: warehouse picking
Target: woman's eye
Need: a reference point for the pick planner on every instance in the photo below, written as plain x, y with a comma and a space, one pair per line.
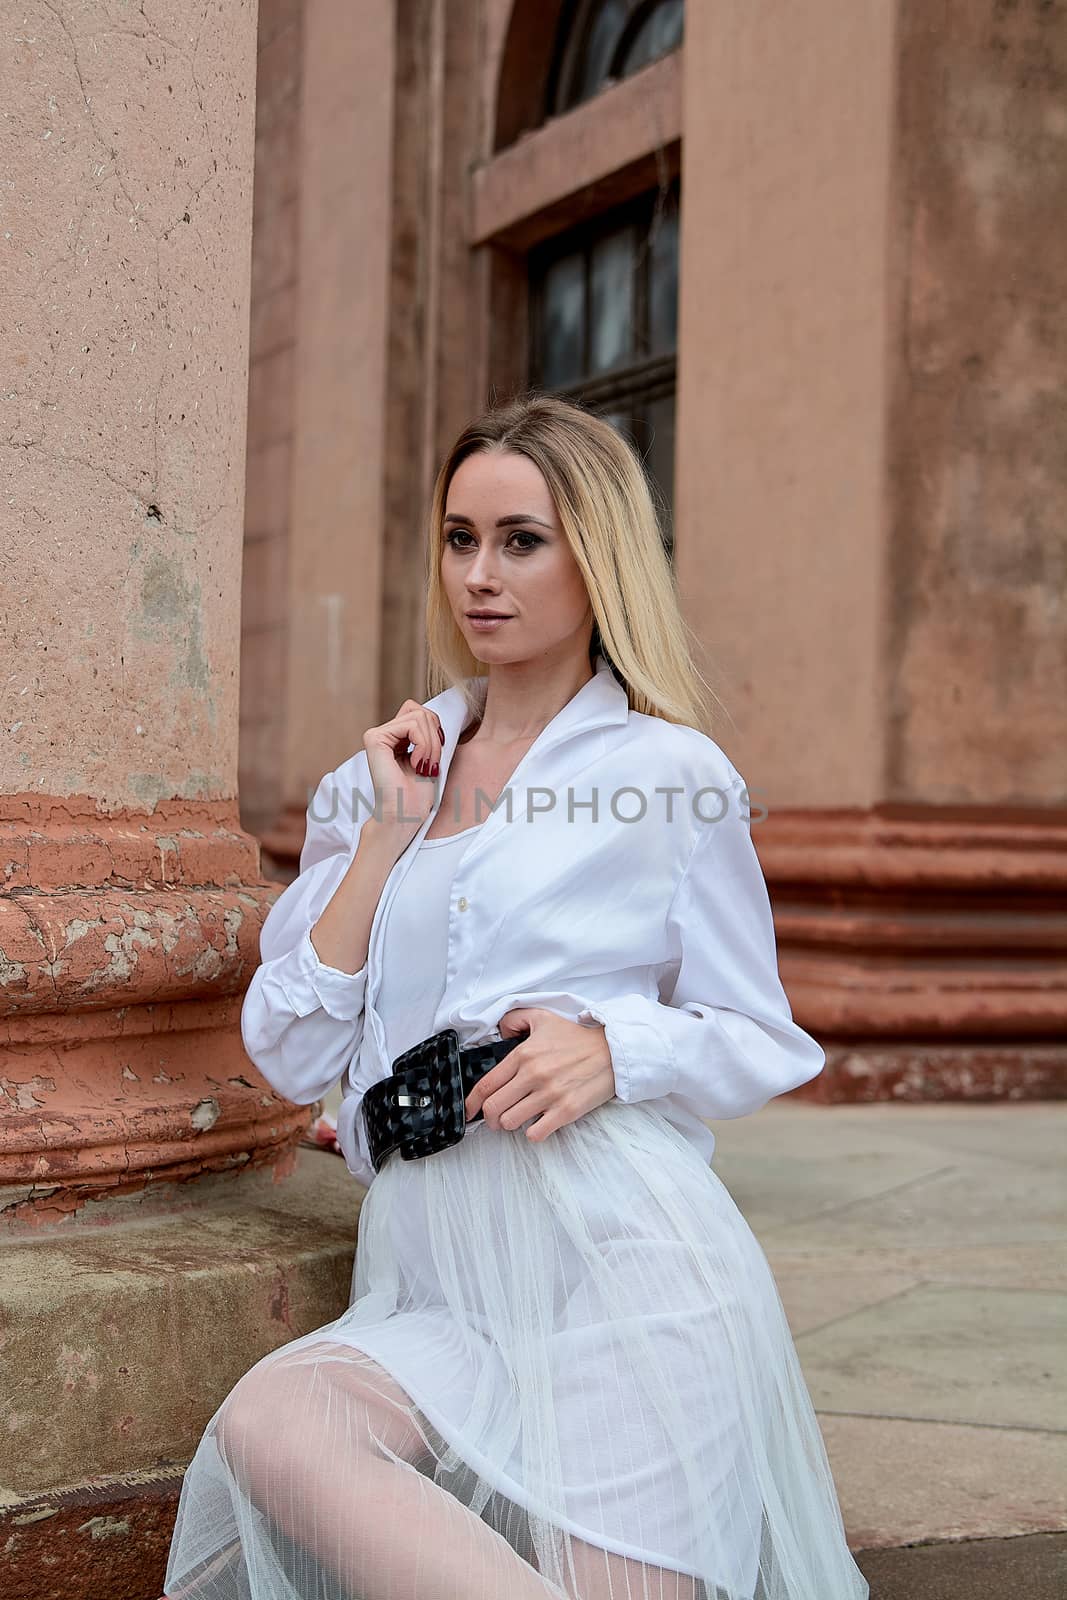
461, 533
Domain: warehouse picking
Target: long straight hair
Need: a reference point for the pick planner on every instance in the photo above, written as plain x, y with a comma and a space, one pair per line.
607, 512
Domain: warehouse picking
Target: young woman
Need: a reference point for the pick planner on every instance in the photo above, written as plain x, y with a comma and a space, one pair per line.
565, 1369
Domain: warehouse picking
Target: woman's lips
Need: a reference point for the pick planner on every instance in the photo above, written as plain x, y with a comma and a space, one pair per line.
487, 624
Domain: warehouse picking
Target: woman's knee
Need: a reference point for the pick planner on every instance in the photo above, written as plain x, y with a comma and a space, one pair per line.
334, 1403
259, 1409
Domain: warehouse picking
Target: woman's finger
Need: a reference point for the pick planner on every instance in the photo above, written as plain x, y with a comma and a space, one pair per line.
426, 737
426, 757
412, 726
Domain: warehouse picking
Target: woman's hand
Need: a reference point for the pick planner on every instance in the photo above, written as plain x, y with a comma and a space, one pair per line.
562, 1071
404, 786
404, 793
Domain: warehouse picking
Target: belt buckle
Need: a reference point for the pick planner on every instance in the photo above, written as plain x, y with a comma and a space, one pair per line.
430, 1091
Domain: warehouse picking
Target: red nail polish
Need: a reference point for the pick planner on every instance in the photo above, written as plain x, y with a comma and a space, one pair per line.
435, 769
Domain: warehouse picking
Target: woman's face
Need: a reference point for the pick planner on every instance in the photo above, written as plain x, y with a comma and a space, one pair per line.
522, 570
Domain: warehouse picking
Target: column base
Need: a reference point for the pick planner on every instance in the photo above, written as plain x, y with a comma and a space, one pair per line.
927, 953
910, 1072
126, 946
127, 1329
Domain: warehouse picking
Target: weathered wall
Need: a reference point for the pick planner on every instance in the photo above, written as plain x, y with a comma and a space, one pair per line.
127, 206
977, 591
780, 474
831, 311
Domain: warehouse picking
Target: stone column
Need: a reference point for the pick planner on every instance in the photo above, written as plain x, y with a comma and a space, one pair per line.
150, 1237
870, 503
341, 405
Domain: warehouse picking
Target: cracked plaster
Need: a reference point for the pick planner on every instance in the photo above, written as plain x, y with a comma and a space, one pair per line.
126, 213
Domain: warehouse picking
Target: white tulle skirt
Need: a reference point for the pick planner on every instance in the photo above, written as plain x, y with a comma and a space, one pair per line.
565, 1370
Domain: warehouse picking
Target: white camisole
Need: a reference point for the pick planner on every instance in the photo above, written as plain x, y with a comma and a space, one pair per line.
415, 943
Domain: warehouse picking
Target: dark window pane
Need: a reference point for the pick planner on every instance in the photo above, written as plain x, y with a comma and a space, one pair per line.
663, 286
660, 32
611, 311
659, 457
606, 307
603, 36
604, 40
564, 320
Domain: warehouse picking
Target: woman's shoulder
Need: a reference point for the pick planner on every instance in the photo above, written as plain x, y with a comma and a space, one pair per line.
681, 750
687, 779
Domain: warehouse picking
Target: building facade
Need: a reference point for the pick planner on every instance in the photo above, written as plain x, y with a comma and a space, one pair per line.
807, 258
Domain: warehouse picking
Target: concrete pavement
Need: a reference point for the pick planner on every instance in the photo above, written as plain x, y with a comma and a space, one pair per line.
919, 1252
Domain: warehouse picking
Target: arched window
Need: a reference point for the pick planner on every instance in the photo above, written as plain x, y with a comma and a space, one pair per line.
604, 324
602, 41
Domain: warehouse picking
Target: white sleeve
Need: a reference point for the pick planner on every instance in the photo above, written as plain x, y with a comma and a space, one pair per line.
723, 1041
302, 1021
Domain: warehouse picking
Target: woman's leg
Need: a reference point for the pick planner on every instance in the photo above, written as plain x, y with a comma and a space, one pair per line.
301, 1436
603, 1575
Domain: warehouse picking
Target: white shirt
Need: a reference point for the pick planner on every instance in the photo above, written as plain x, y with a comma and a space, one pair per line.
658, 927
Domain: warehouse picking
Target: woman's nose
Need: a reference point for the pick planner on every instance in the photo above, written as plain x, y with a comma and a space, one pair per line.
482, 570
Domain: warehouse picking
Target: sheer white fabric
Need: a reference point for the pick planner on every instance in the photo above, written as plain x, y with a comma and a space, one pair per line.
565, 1371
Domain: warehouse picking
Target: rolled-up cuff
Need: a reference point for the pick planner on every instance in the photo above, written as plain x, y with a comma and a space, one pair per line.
308, 984
642, 1058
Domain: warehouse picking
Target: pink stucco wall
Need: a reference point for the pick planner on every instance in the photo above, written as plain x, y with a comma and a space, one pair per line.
780, 516
976, 595
125, 251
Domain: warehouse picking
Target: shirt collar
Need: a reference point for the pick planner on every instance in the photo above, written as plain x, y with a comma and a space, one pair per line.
601, 701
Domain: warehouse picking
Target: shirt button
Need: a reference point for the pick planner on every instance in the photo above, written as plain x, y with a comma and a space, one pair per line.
462, 902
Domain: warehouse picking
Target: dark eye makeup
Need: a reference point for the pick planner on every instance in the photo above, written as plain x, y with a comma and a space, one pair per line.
521, 533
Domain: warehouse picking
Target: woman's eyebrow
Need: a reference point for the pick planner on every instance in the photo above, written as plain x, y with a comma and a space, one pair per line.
501, 522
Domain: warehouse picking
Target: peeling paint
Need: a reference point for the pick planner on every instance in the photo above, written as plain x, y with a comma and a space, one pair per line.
28, 1095
205, 1114
12, 973
105, 1527
151, 788
40, 1515
122, 947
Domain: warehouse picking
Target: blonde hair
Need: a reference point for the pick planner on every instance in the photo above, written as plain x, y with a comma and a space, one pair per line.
609, 517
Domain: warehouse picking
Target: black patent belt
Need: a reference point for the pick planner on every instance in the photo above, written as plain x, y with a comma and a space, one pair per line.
421, 1107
